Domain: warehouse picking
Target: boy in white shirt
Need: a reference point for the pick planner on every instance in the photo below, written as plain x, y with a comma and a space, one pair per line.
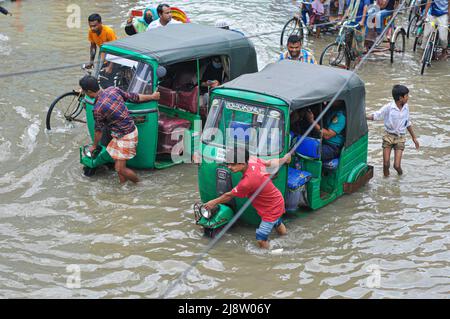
396, 122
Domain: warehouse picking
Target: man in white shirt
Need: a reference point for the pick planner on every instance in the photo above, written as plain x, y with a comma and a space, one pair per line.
165, 17
396, 122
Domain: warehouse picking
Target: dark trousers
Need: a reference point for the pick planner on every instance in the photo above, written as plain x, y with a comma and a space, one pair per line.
330, 152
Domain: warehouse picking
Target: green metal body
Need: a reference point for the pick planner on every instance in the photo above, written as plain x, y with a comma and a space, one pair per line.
147, 125
322, 189
222, 217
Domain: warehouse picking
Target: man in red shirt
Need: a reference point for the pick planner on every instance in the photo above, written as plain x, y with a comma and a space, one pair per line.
269, 203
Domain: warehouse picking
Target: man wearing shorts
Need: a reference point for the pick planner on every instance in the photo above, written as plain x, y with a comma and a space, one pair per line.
110, 111
396, 122
269, 203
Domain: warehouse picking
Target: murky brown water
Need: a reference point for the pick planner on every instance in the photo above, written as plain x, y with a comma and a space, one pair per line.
131, 241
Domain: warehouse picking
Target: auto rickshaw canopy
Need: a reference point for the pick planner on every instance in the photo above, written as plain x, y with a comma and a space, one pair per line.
183, 42
301, 85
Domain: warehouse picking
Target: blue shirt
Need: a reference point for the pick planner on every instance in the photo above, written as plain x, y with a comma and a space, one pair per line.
305, 56
335, 120
359, 13
439, 8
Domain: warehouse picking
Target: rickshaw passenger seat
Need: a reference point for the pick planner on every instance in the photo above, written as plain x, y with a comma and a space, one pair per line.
309, 147
188, 100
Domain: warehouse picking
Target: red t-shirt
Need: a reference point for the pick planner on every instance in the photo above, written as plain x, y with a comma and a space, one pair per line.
269, 204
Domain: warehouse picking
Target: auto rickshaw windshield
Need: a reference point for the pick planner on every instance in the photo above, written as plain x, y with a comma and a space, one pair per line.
231, 123
129, 75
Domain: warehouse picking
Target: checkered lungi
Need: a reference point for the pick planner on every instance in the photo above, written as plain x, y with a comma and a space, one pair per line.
123, 148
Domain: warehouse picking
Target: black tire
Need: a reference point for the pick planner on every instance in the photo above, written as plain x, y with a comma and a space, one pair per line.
335, 52
417, 42
398, 45
426, 57
412, 25
89, 172
69, 105
293, 26
212, 232
412, 12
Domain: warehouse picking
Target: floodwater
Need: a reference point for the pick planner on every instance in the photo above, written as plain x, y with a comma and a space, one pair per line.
389, 240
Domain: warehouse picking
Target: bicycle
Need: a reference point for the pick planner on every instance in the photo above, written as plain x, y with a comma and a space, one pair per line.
415, 17
342, 48
68, 107
299, 24
431, 49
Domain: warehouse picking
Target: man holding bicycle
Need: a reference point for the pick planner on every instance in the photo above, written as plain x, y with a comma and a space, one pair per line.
439, 15
357, 14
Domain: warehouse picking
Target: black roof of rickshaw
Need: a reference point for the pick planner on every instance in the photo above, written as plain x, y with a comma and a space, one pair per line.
301, 85
183, 42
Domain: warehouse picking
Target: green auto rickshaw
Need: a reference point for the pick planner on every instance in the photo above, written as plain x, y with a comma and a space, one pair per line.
171, 60
257, 111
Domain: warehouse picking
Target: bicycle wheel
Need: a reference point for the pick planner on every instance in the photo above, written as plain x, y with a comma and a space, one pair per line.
398, 45
417, 41
412, 25
65, 109
332, 55
293, 26
413, 10
426, 59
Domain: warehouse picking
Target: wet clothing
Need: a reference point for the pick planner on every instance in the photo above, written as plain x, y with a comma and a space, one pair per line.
265, 228
396, 121
394, 141
106, 35
305, 56
269, 204
110, 110
123, 148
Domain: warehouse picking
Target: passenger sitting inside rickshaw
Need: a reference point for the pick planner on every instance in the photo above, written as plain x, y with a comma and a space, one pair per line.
333, 130
386, 9
299, 124
212, 77
317, 15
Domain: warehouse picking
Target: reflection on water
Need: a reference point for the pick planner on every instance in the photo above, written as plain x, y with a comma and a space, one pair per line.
388, 240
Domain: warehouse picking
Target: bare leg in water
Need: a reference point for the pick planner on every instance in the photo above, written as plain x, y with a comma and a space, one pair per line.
386, 161
397, 161
124, 172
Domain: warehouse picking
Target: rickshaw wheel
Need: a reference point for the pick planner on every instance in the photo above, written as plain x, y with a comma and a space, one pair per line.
426, 57
89, 172
417, 42
332, 55
398, 45
412, 25
65, 108
212, 232
293, 26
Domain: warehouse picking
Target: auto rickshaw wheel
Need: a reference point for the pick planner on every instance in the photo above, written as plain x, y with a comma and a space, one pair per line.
212, 232
88, 171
